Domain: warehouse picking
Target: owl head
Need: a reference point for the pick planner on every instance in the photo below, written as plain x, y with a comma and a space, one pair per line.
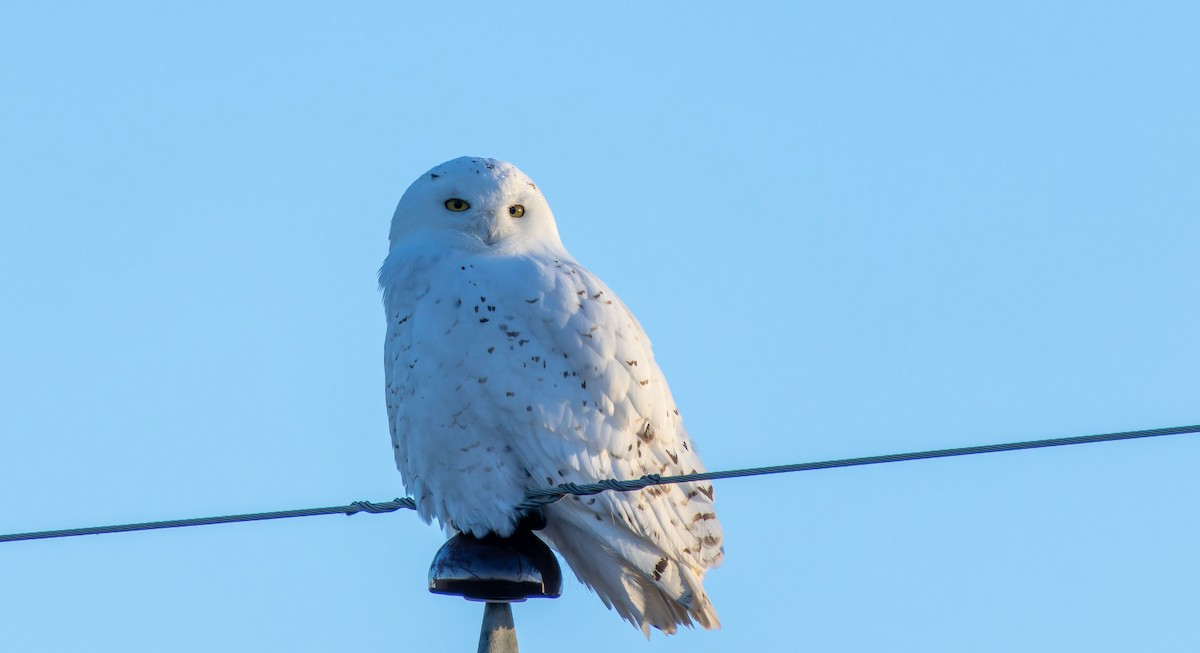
476, 204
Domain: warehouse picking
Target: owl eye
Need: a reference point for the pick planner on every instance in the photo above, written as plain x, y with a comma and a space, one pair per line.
516, 210
457, 205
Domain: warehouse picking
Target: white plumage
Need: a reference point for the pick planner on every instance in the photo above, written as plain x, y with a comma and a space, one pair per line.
511, 367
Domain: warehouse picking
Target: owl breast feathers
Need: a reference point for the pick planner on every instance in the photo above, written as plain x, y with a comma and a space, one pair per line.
510, 367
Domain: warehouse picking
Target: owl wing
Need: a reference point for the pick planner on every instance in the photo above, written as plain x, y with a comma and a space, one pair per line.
582, 368
604, 410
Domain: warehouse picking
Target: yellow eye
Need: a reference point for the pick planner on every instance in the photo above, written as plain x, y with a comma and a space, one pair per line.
457, 205
516, 210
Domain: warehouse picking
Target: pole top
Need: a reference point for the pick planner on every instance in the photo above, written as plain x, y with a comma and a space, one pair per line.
496, 569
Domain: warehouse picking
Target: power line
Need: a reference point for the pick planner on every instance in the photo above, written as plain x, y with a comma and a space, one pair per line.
352, 509
538, 498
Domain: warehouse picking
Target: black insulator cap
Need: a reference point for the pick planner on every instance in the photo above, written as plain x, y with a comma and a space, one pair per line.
496, 569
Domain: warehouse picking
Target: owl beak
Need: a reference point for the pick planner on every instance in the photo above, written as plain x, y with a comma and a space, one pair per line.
488, 230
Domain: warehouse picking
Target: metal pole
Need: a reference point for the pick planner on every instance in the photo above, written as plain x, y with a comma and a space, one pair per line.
498, 635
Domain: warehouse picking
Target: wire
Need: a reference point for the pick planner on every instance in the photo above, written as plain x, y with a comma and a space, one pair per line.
537, 498
352, 509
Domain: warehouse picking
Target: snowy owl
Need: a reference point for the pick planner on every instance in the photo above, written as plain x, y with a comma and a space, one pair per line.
511, 367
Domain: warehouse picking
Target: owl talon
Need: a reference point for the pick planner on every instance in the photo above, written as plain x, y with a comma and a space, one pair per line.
534, 520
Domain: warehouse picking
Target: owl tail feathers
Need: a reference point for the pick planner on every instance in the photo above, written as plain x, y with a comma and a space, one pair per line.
632, 576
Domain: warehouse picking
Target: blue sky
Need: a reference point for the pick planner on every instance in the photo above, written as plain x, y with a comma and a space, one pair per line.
849, 229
